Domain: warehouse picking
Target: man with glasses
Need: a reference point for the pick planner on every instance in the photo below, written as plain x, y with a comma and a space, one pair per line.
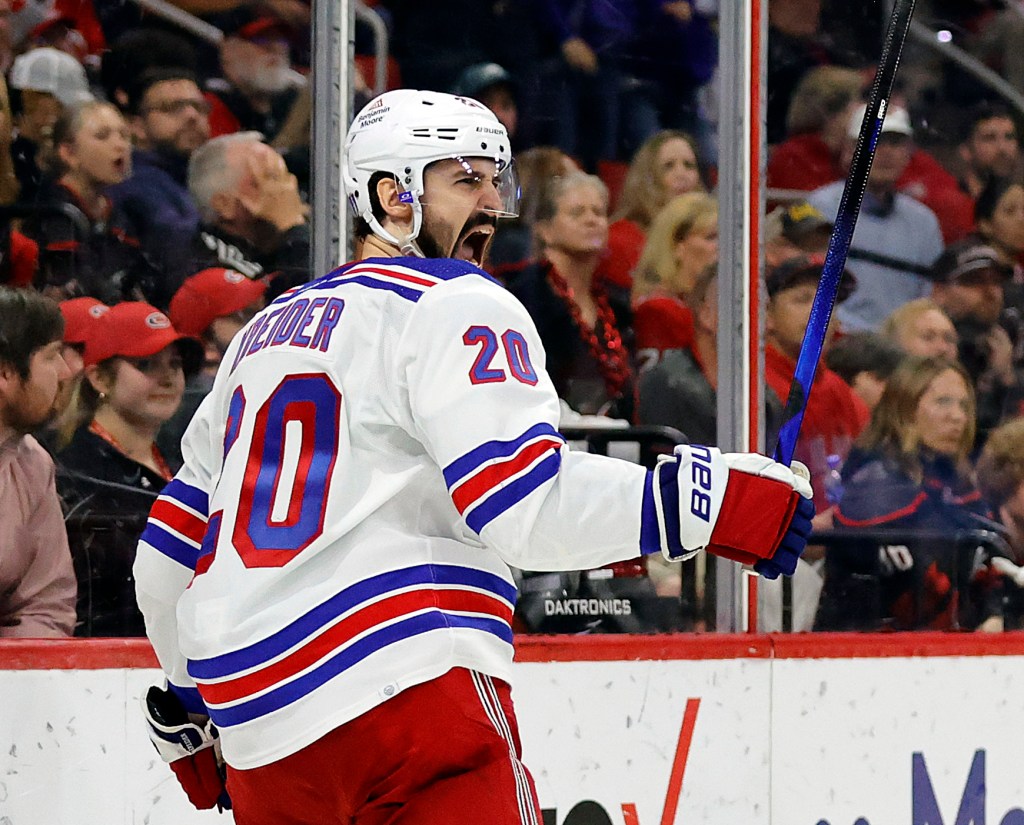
168, 119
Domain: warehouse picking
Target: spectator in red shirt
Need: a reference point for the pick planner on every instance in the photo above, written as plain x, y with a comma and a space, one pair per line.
818, 135
665, 166
835, 415
816, 128
682, 243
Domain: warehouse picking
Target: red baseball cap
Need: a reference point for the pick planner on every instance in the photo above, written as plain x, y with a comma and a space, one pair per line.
263, 27
80, 316
134, 329
211, 294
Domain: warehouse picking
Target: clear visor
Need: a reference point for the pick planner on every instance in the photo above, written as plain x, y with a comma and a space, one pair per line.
496, 186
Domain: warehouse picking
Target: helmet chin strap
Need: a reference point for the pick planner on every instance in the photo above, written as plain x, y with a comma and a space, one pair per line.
410, 248
406, 243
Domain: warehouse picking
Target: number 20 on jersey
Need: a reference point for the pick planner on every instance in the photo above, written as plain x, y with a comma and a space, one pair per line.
515, 354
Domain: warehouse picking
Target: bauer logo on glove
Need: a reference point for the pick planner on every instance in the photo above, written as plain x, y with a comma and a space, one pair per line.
742, 506
189, 747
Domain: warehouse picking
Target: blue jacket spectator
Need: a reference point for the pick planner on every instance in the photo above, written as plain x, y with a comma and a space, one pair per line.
909, 473
168, 121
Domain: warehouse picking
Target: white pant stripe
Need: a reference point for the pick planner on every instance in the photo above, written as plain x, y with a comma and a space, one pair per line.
484, 686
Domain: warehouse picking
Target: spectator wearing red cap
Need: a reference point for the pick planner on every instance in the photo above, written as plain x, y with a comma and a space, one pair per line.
259, 86
135, 367
80, 318
212, 306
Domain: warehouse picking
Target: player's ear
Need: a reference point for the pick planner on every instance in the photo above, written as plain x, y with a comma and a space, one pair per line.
388, 196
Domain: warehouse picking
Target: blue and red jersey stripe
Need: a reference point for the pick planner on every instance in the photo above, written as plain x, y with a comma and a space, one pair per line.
492, 478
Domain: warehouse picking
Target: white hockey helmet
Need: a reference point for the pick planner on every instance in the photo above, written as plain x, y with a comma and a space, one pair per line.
403, 131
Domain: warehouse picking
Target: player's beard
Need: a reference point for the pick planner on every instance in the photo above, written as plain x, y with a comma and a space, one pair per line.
431, 247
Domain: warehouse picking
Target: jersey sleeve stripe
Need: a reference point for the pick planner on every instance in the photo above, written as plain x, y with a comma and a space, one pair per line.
171, 514
394, 272
668, 491
410, 293
352, 626
650, 540
192, 497
326, 613
189, 698
494, 475
171, 545
491, 450
360, 649
511, 494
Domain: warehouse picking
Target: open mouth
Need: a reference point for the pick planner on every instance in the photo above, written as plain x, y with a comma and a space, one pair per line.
472, 244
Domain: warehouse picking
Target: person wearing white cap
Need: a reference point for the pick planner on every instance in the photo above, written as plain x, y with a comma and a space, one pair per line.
43, 83
897, 238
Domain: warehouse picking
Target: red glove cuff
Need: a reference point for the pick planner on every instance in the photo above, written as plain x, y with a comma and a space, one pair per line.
200, 777
755, 515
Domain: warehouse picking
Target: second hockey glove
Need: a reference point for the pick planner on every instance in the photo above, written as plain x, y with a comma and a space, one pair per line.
742, 506
188, 747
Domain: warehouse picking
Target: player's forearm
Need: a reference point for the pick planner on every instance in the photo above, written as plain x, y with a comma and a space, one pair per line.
159, 583
588, 517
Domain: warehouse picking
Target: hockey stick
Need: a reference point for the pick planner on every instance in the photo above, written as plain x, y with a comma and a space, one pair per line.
842, 232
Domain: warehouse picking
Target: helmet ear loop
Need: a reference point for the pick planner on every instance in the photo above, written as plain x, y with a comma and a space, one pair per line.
408, 245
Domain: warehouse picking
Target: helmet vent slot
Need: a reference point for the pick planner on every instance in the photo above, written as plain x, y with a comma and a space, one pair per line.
438, 133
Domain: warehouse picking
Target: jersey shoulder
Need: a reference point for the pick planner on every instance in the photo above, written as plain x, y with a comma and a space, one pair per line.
407, 278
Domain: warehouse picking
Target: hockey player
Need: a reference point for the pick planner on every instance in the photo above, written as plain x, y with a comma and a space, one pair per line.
326, 581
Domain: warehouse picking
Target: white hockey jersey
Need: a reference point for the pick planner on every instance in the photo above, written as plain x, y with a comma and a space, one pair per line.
379, 445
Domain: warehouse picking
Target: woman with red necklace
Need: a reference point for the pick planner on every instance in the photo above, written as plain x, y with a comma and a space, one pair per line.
111, 471
583, 323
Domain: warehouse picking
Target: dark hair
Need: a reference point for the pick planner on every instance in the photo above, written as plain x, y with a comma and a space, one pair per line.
28, 322
859, 352
139, 50
985, 110
988, 200
362, 227
150, 77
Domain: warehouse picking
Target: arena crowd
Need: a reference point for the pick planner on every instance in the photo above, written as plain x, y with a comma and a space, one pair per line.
154, 195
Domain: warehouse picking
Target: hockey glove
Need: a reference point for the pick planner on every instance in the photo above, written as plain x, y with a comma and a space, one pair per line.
741, 506
189, 748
